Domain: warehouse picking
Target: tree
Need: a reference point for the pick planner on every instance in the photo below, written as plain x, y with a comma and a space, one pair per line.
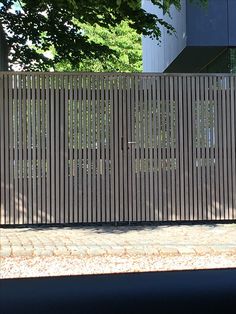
122, 39
32, 27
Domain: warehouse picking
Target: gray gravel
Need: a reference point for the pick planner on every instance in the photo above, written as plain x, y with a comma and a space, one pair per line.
30, 252
19, 267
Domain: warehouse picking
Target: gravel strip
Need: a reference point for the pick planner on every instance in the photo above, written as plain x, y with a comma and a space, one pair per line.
20, 267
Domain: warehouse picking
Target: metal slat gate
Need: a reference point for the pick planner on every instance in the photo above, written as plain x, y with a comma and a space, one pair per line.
80, 148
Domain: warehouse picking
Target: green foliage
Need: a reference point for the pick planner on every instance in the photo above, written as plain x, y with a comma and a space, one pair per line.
122, 39
33, 27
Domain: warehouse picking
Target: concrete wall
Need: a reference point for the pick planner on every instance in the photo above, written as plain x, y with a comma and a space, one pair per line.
158, 56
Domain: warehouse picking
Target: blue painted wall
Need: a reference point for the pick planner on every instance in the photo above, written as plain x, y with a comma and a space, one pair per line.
158, 56
232, 22
212, 26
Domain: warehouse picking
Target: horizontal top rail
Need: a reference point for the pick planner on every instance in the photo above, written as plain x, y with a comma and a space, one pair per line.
152, 74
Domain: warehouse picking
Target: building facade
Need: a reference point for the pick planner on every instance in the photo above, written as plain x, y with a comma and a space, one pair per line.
205, 39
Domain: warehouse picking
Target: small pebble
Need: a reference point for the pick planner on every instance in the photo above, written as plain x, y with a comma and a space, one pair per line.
21, 267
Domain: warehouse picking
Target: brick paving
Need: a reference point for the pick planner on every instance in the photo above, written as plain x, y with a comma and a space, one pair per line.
164, 240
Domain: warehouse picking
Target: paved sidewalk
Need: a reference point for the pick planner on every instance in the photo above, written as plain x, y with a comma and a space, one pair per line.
162, 240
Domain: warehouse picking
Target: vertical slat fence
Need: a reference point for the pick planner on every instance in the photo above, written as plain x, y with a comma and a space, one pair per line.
100, 147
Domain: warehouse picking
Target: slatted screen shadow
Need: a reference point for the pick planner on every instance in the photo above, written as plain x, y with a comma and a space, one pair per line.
81, 148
